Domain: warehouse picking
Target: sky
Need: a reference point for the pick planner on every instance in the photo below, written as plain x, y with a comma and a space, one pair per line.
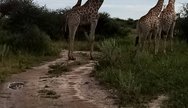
116, 8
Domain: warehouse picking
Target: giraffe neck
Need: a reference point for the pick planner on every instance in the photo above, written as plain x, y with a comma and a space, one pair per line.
79, 2
171, 6
93, 4
157, 8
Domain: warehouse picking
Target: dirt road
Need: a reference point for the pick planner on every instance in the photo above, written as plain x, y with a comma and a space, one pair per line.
74, 89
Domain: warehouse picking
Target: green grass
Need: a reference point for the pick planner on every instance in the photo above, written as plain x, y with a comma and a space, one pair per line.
13, 63
78, 45
139, 79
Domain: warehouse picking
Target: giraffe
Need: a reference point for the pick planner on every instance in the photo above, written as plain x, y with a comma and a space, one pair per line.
63, 28
148, 25
78, 4
87, 13
167, 24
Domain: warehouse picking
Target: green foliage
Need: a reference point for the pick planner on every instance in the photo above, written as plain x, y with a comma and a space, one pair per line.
111, 51
16, 63
3, 76
182, 23
28, 13
31, 40
107, 26
138, 79
112, 27
4, 50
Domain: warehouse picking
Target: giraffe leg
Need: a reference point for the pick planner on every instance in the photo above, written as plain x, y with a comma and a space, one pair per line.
156, 43
72, 32
149, 41
144, 40
166, 33
164, 43
157, 34
172, 35
138, 44
159, 38
92, 37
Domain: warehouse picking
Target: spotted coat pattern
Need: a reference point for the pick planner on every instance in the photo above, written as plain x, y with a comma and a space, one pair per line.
85, 14
167, 23
148, 25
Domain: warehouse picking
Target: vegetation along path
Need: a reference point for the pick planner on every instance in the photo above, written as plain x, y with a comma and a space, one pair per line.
56, 84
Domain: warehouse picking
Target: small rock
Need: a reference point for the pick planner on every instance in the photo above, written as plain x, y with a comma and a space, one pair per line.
86, 82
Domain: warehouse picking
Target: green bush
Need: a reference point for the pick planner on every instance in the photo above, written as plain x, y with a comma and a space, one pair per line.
110, 50
141, 78
4, 51
4, 35
32, 40
182, 23
29, 13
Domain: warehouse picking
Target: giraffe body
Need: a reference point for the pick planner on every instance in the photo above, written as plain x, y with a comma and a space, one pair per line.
167, 23
63, 27
88, 13
148, 25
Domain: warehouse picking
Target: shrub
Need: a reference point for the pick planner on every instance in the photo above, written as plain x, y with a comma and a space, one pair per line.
4, 51
32, 40
138, 80
29, 13
182, 23
111, 51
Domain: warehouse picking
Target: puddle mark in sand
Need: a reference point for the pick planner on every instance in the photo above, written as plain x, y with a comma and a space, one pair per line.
16, 85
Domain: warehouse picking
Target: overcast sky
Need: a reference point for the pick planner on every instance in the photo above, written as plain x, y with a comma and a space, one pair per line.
116, 8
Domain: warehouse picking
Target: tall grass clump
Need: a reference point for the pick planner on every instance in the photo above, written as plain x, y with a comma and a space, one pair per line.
137, 79
4, 51
32, 40
20, 51
111, 51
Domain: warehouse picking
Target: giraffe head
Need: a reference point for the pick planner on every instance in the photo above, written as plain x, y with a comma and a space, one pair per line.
171, 6
156, 10
98, 1
95, 3
172, 1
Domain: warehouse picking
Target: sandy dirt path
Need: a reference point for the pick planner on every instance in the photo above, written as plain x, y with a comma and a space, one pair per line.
74, 89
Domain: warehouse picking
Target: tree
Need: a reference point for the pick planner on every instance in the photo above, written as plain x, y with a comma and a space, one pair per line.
7, 6
182, 23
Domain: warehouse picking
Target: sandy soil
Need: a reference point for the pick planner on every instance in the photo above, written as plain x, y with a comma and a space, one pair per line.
75, 89
156, 103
